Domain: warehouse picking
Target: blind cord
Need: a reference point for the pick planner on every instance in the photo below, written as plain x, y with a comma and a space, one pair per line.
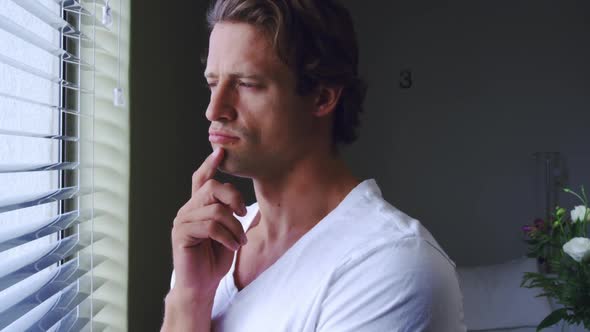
118, 92
119, 47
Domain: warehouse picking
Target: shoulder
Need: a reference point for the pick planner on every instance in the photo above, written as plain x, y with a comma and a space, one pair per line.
375, 227
392, 269
402, 285
406, 282
413, 259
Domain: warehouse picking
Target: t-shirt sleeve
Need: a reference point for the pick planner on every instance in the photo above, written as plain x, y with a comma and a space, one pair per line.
403, 286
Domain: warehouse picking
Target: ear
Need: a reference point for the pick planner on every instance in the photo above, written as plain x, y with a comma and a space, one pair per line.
326, 100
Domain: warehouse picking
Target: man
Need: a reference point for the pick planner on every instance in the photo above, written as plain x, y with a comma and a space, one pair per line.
320, 250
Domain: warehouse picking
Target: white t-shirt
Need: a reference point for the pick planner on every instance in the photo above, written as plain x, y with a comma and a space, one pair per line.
365, 267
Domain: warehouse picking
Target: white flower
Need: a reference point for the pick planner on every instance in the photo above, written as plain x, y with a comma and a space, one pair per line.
578, 248
578, 213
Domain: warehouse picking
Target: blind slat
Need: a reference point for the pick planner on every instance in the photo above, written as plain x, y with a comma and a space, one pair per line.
74, 6
34, 71
49, 226
18, 168
42, 198
38, 135
68, 301
43, 13
55, 252
41, 74
64, 277
72, 321
37, 151
35, 102
10, 26
29, 69
65, 301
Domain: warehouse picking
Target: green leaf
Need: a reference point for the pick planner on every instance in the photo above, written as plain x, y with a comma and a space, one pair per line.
553, 318
575, 194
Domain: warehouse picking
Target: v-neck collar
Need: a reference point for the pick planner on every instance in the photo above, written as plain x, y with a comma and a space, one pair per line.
366, 187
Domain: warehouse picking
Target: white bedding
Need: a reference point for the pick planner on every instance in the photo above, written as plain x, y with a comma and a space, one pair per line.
493, 300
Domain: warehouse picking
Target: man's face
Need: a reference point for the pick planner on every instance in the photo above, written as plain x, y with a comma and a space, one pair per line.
254, 100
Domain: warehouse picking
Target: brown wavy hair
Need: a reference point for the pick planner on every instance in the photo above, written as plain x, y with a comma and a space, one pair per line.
316, 38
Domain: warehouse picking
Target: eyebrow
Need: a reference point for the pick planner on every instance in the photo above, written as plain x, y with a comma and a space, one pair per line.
236, 75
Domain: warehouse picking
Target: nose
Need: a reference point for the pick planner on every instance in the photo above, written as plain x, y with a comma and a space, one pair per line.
221, 105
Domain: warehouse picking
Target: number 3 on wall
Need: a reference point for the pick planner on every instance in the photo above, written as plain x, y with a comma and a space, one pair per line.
405, 79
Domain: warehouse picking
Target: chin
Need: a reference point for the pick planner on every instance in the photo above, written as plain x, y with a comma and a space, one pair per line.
233, 165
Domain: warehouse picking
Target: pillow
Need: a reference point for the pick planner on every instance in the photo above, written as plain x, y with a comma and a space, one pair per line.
493, 298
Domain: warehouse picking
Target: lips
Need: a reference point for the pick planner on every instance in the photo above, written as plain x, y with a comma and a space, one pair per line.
221, 137
221, 134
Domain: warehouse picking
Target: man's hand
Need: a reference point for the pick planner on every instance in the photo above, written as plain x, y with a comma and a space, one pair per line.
204, 238
206, 234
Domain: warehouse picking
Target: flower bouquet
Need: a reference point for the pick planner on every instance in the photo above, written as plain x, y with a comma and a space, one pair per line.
562, 246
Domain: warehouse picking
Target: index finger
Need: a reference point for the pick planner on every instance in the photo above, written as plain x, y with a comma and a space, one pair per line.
207, 169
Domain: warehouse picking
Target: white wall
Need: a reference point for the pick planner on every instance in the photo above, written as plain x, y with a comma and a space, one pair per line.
493, 82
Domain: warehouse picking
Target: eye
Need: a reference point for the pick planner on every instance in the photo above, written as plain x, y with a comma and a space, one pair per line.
210, 85
247, 85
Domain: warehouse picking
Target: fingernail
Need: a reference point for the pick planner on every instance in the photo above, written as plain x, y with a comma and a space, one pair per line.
236, 246
244, 210
244, 239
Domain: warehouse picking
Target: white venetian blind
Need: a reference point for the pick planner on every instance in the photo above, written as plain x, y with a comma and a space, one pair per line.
64, 165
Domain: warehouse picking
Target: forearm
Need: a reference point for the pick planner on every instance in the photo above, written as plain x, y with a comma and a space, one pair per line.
187, 313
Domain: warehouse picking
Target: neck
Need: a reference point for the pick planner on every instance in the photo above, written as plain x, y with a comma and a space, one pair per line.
295, 201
